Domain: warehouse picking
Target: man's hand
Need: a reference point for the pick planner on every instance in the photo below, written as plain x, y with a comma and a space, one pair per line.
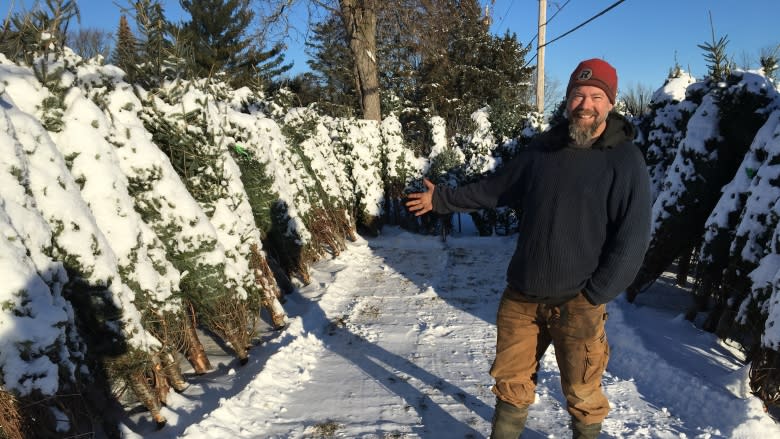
421, 202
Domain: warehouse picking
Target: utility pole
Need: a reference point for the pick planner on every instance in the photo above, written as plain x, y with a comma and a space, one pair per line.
540, 56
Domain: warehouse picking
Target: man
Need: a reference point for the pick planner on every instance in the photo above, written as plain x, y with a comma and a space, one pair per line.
583, 193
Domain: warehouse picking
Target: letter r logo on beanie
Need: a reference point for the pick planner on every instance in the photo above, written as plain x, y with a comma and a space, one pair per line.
585, 75
595, 72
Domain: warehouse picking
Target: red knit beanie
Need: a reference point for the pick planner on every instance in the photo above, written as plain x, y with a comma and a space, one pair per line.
595, 72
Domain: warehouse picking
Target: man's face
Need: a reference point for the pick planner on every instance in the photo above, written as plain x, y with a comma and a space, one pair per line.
587, 108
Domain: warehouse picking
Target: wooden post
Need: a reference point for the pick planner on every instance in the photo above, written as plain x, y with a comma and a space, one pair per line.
540, 56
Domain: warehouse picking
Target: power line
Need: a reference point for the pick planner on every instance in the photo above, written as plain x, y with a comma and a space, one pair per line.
546, 22
610, 7
613, 5
506, 13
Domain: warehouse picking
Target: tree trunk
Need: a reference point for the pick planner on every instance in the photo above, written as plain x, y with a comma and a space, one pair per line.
195, 352
11, 421
684, 267
172, 371
265, 278
144, 392
161, 386
359, 17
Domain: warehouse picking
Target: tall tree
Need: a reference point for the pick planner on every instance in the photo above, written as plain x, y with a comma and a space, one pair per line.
125, 55
470, 68
162, 57
359, 18
333, 67
217, 32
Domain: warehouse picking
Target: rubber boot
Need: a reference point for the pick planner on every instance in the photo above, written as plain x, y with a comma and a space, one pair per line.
584, 431
508, 420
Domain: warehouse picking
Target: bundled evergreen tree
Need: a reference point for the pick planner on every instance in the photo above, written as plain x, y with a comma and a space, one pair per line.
260, 144
665, 126
141, 256
358, 146
105, 313
228, 300
32, 298
749, 236
706, 158
722, 267
399, 168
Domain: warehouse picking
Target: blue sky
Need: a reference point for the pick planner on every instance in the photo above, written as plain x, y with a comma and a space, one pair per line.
641, 38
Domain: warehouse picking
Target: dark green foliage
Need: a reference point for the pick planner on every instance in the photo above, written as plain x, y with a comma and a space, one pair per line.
162, 55
304, 87
40, 32
257, 185
739, 118
715, 54
769, 63
475, 70
125, 55
416, 131
558, 115
217, 34
333, 68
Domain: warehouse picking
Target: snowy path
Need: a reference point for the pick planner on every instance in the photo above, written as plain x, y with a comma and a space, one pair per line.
394, 339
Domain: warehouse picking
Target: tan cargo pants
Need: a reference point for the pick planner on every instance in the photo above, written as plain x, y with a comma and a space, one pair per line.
576, 330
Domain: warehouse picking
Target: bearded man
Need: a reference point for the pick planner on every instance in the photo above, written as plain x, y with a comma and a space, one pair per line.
583, 194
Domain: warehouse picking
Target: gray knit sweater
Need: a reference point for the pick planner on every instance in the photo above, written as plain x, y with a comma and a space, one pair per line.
584, 213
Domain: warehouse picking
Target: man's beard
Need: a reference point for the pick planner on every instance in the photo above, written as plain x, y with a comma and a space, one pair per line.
580, 134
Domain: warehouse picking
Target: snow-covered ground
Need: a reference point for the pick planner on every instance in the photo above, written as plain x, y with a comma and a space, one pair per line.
394, 339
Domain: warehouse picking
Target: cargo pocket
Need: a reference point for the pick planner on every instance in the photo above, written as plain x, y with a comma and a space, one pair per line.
596, 358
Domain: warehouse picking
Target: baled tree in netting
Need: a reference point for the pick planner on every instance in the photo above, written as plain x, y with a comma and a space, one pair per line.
745, 287
143, 264
479, 160
162, 200
234, 216
285, 184
443, 165
724, 260
399, 168
47, 340
105, 314
357, 144
308, 136
718, 135
680, 210
722, 273
759, 316
226, 295
666, 123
